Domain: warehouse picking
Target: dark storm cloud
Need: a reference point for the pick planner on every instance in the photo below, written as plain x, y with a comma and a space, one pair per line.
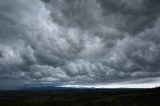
1, 54
79, 41
137, 15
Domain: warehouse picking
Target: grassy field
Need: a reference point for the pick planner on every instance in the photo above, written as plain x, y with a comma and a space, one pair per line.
81, 97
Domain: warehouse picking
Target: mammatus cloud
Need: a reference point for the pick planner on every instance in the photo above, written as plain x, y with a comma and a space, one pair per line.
79, 42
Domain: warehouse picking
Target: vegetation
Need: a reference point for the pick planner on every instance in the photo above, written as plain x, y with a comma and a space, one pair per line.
81, 97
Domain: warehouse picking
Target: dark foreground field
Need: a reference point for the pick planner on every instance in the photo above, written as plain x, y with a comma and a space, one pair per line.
81, 97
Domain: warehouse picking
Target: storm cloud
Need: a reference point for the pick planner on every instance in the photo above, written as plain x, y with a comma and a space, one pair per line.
79, 42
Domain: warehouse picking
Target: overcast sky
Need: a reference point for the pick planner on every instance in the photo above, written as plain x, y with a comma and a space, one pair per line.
81, 43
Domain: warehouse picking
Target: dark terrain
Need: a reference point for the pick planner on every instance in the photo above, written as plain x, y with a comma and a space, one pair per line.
80, 97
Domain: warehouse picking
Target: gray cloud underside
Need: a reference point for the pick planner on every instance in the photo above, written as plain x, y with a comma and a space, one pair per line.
79, 41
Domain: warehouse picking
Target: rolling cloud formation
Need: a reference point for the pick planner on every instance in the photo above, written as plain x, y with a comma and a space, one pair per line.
79, 41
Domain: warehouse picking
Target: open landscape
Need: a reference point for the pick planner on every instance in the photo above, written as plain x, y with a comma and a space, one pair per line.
79, 52
81, 97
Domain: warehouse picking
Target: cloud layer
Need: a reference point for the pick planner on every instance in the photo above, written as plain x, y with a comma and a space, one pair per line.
79, 42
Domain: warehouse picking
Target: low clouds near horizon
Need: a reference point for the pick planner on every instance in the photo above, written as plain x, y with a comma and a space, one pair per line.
79, 42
